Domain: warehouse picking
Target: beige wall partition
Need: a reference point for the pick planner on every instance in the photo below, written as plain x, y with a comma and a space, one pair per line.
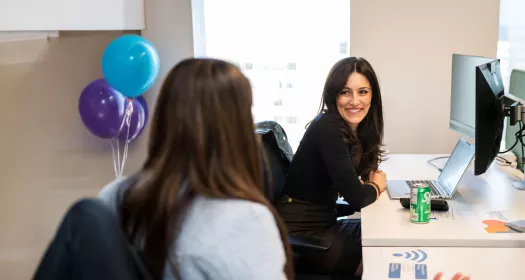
410, 45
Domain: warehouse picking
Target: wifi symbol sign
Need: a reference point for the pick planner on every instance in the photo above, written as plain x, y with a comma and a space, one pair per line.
417, 255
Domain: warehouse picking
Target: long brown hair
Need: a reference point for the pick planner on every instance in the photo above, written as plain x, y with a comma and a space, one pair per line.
202, 143
367, 141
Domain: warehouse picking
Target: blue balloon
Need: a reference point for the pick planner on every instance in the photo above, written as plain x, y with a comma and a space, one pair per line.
130, 65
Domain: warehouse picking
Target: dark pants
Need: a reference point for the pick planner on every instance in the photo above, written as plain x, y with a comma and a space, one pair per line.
320, 221
90, 245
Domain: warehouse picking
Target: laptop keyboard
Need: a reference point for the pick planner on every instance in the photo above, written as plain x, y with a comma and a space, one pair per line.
433, 189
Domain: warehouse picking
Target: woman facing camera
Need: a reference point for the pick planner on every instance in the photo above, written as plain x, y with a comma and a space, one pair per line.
339, 154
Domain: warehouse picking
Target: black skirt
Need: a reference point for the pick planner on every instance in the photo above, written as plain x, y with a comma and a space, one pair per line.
320, 221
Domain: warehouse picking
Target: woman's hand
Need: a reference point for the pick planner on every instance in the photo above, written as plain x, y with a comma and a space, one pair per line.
378, 177
457, 276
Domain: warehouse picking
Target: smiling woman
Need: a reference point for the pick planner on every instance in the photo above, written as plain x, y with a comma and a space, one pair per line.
339, 153
354, 101
352, 92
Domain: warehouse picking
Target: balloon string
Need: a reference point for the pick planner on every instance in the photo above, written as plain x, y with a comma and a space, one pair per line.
127, 118
118, 156
129, 111
118, 164
113, 154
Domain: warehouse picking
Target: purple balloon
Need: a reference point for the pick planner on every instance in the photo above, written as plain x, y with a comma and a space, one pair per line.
103, 109
139, 118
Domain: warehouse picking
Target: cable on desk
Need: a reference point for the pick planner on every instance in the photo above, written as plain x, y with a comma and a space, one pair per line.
519, 139
498, 158
437, 167
503, 160
519, 135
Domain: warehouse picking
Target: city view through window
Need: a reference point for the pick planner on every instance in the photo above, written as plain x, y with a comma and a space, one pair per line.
511, 44
286, 49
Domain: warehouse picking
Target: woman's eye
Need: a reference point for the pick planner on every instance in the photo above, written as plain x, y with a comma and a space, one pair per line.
363, 92
345, 92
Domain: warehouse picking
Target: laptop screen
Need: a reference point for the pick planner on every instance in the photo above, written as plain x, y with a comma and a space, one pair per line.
456, 165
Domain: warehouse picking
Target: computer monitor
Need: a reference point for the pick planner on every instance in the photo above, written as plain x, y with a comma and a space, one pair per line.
489, 114
463, 93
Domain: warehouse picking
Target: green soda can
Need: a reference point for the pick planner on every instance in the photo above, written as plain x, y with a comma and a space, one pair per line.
420, 203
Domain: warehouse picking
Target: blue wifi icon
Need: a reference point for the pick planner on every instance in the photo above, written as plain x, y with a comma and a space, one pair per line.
416, 255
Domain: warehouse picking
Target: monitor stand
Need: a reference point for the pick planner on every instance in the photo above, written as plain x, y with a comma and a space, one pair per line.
516, 113
520, 185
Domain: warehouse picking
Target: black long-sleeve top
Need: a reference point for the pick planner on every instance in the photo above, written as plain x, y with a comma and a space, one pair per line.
323, 162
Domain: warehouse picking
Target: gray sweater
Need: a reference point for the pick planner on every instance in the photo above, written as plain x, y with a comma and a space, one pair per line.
223, 239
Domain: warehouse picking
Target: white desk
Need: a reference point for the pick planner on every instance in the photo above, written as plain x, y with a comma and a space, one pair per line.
390, 263
385, 223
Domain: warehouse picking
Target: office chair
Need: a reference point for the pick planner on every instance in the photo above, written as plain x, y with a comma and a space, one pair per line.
277, 152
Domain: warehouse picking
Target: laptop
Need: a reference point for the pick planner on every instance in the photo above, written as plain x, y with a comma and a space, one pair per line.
447, 182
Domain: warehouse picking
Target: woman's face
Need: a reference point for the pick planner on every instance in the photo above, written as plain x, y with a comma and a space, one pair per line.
354, 100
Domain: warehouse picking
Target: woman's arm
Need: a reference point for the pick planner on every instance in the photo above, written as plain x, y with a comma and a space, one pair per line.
337, 159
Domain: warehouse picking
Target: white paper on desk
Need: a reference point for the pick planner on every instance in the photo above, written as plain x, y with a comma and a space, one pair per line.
484, 221
469, 214
439, 215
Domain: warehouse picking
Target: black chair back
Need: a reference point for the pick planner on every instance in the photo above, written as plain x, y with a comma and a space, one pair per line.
277, 159
278, 155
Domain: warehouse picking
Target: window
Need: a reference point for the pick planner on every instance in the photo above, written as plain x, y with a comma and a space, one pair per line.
511, 51
343, 48
283, 120
511, 43
270, 39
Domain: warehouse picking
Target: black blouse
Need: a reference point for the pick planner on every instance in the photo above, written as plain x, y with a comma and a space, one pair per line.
322, 167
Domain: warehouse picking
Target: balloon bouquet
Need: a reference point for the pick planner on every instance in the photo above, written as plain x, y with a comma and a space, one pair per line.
113, 108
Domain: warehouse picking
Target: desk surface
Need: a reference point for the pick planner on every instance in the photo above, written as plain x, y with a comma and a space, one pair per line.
401, 263
481, 204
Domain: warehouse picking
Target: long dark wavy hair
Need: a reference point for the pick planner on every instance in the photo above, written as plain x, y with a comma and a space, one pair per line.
367, 142
202, 143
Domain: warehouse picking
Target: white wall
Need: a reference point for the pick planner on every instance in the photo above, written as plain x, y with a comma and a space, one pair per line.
410, 45
169, 28
49, 159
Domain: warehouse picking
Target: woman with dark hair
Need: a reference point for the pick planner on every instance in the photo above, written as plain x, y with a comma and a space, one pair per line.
339, 154
196, 209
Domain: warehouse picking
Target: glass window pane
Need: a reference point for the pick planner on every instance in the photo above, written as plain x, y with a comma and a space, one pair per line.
511, 44
285, 48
